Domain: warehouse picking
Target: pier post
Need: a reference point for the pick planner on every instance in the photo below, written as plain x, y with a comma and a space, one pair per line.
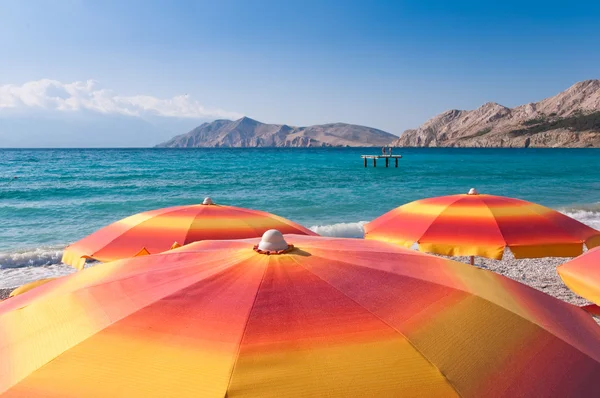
387, 162
396, 162
374, 162
366, 162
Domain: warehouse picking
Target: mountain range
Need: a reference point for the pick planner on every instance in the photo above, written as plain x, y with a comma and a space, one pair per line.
569, 119
247, 133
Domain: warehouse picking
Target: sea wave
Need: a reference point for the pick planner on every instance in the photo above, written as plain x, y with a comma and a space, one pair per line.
45, 255
341, 230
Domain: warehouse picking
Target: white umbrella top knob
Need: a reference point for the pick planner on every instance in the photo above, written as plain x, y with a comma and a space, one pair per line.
208, 201
272, 241
473, 191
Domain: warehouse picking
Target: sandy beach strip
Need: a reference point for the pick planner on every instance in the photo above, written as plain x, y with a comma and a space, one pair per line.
539, 273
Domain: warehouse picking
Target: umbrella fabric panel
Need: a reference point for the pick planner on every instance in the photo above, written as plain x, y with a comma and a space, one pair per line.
452, 232
238, 223
40, 325
155, 234
474, 339
321, 342
172, 347
404, 225
532, 230
582, 275
28, 286
76, 253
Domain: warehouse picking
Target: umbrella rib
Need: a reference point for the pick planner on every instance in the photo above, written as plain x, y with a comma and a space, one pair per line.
187, 233
497, 226
237, 354
383, 321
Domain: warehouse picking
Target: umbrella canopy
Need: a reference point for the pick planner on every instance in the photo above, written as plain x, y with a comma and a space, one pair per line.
327, 317
582, 275
28, 286
483, 225
158, 230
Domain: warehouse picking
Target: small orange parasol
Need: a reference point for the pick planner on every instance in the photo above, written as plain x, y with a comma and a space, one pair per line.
582, 276
483, 225
158, 230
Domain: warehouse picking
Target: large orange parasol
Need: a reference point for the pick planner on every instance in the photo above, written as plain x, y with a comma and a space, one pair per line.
483, 225
158, 230
582, 275
327, 317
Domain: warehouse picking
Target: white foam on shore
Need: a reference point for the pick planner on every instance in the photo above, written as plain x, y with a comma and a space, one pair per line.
44, 255
13, 277
341, 230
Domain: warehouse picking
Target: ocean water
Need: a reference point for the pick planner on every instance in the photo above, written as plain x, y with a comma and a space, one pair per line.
51, 197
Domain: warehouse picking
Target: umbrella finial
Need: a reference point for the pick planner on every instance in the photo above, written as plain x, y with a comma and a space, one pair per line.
208, 201
473, 191
273, 241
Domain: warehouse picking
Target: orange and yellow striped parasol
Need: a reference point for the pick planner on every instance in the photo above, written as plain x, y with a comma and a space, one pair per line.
483, 225
28, 286
582, 275
158, 230
327, 317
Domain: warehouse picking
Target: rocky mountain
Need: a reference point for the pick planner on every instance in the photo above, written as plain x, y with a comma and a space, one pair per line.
246, 132
569, 119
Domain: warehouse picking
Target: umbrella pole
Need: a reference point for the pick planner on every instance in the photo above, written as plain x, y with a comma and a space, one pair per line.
472, 260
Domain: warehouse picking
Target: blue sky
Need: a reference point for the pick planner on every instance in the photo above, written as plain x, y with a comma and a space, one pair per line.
386, 64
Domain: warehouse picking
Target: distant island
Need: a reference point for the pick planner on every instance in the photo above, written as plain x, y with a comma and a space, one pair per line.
570, 119
249, 133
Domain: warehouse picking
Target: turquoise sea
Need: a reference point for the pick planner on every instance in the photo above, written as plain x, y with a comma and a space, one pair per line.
51, 197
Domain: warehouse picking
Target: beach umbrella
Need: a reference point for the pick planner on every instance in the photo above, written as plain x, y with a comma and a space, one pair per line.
28, 286
582, 276
158, 230
483, 225
325, 317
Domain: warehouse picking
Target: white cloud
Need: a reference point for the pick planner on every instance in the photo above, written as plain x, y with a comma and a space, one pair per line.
54, 95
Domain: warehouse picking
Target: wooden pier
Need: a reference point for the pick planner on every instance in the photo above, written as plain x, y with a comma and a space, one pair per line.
386, 157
